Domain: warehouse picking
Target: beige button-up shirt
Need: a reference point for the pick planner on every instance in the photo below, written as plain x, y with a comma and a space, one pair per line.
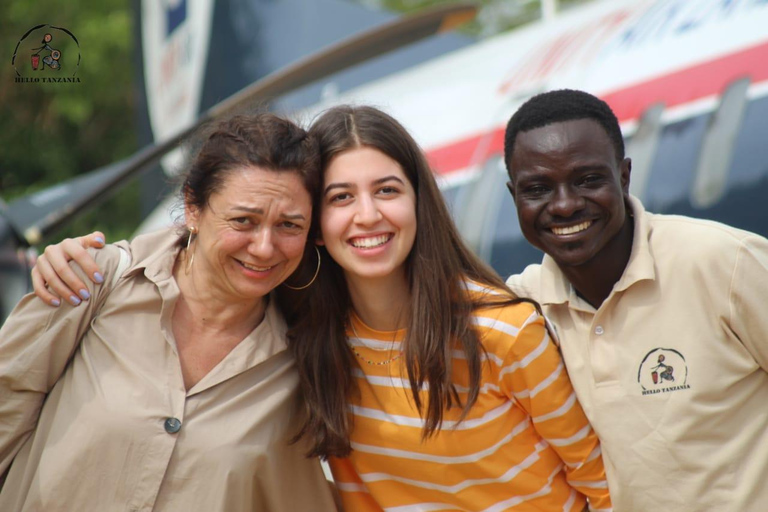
671, 369
94, 414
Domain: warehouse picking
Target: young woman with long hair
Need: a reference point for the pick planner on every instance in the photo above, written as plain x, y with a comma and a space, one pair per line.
427, 383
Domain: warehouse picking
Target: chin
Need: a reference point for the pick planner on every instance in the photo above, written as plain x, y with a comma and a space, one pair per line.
572, 260
369, 272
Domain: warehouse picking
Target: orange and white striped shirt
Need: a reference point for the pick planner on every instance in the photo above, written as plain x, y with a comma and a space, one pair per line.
526, 444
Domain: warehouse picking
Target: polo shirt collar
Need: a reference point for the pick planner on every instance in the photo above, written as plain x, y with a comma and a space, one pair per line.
556, 289
641, 265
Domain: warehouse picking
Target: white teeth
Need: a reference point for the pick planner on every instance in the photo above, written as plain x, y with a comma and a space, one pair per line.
253, 267
367, 243
569, 230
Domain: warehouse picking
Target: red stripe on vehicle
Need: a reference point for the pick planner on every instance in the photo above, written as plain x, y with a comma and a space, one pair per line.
674, 89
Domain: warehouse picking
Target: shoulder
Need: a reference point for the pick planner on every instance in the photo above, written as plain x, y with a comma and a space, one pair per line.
699, 243
150, 244
500, 325
152, 253
707, 234
527, 283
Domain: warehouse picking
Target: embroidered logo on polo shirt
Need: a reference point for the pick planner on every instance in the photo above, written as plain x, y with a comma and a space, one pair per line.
663, 370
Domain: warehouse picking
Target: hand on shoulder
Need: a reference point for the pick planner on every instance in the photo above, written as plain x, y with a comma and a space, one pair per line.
52, 276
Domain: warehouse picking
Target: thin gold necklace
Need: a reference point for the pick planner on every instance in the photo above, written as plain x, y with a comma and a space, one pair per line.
358, 354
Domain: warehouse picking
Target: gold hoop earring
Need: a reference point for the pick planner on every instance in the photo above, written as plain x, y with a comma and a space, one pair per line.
190, 255
317, 272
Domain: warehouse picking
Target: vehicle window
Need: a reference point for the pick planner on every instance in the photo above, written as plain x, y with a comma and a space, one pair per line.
449, 195
750, 154
672, 171
717, 150
641, 148
478, 205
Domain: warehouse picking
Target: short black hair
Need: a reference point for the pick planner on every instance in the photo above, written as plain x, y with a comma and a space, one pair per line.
560, 106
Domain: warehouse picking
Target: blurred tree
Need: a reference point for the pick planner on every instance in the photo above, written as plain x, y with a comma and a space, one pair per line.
51, 132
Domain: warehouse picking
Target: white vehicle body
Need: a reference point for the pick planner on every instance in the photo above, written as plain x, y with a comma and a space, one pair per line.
688, 80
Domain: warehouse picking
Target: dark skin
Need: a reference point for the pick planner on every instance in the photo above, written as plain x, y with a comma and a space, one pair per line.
572, 195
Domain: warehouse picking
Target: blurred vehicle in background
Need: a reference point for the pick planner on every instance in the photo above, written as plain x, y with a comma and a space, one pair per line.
688, 80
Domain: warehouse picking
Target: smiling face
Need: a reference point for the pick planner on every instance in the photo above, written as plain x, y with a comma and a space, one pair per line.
368, 216
251, 234
570, 192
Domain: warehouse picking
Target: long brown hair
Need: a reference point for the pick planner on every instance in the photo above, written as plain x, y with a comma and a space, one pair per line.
440, 312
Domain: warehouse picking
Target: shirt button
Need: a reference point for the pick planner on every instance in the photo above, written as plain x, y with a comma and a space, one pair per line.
172, 425
599, 330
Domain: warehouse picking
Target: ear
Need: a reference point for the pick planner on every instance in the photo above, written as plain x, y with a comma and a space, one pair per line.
319, 241
191, 215
625, 169
511, 188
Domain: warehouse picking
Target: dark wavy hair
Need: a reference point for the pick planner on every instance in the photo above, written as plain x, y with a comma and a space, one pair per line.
439, 315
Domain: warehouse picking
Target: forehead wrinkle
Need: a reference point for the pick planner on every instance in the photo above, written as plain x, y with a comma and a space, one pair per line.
260, 211
248, 209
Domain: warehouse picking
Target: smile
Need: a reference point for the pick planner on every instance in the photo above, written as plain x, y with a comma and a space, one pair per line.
370, 242
255, 268
570, 230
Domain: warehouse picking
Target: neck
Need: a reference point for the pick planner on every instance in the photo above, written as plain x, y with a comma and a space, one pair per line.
595, 280
382, 304
211, 310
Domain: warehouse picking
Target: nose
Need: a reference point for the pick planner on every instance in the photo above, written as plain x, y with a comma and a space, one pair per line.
367, 212
565, 202
262, 244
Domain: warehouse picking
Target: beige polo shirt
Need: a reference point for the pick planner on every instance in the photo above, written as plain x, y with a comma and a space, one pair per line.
94, 414
671, 369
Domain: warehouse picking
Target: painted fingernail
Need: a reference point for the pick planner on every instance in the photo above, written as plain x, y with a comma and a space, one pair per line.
98, 277
99, 240
84, 294
55, 302
74, 300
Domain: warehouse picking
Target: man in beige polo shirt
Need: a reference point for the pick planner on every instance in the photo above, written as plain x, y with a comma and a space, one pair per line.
661, 319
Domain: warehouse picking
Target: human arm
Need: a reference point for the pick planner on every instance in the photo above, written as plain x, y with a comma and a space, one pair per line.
53, 271
535, 377
747, 297
36, 344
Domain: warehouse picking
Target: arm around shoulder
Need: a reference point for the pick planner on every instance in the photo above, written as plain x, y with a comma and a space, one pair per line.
536, 377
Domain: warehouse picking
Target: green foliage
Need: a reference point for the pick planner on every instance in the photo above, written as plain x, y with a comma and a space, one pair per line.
54, 131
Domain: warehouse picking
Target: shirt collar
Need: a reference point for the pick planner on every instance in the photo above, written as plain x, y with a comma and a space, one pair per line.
155, 255
555, 287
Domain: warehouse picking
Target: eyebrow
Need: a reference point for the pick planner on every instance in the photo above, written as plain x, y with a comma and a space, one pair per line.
260, 211
588, 167
379, 181
528, 174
